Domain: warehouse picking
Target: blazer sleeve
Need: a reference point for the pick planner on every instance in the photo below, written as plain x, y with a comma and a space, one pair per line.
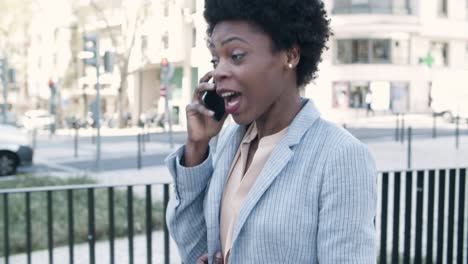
348, 200
184, 215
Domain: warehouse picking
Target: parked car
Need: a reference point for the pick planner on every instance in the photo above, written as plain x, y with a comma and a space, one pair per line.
37, 119
15, 149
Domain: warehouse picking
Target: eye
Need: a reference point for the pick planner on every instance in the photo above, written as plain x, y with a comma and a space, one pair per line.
237, 57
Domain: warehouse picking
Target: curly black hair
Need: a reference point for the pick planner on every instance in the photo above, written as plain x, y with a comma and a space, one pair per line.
288, 22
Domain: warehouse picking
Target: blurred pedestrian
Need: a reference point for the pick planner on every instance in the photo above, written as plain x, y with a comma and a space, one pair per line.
368, 100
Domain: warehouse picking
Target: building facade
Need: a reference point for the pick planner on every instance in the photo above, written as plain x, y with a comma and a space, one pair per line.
391, 52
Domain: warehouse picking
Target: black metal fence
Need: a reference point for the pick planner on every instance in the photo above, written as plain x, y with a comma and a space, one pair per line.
421, 218
91, 235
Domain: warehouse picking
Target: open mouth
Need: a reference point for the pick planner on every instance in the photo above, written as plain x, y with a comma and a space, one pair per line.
231, 101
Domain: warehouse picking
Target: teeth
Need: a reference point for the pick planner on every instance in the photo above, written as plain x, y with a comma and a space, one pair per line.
232, 103
225, 95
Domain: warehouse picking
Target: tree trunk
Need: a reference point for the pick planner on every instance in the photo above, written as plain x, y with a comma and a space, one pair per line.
123, 101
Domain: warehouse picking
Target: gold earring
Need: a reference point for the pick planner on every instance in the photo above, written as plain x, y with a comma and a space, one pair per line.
290, 66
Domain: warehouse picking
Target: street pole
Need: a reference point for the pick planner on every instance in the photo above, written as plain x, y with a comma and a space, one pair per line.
457, 132
397, 128
98, 111
3, 64
169, 118
409, 147
165, 77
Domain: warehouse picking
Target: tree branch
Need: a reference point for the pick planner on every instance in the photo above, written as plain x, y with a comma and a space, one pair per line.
102, 16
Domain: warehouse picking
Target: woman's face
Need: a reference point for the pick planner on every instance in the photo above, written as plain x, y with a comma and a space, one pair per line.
254, 81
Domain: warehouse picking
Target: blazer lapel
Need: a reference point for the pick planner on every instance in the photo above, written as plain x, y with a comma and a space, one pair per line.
222, 163
279, 158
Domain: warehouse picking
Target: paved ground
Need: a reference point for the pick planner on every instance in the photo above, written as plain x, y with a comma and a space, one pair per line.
81, 252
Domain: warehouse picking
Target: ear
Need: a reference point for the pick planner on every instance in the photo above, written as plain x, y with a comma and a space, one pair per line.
293, 56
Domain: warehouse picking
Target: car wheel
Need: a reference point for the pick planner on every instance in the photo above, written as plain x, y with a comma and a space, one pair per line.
8, 164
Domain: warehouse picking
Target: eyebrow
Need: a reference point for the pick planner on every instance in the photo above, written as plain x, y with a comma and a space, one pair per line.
224, 42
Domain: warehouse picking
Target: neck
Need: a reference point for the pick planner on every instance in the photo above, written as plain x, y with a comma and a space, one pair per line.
279, 116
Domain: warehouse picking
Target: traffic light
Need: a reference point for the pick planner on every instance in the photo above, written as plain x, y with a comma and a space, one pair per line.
108, 61
3, 69
91, 47
52, 87
12, 75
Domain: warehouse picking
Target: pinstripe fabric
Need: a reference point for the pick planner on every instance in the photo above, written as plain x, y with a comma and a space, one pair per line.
313, 202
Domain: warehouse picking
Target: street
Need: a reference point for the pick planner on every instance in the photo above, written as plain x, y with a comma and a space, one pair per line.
120, 147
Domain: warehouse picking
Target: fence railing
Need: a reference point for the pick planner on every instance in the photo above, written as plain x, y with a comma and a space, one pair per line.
91, 210
421, 217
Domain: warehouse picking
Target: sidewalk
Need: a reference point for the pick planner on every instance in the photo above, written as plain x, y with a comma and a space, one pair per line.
426, 153
81, 252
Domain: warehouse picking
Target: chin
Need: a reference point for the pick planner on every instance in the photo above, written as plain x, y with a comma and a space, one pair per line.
242, 120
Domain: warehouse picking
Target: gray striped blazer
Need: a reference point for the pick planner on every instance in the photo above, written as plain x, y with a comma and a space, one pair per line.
313, 202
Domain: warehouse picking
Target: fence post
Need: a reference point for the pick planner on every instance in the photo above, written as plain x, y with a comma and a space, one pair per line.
139, 151
402, 128
457, 132
34, 138
397, 128
434, 128
409, 147
143, 140
76, 141
167, 254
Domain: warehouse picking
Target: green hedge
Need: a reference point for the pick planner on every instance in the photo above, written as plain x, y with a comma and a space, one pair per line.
17, 213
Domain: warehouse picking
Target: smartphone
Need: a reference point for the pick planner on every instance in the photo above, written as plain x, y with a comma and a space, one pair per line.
214, 102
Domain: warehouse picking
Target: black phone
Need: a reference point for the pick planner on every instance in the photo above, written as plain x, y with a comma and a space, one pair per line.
214, 102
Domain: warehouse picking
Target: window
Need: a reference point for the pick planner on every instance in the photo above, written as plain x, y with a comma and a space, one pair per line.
165, 40
166, 9
343, 49
385, 95
360, 51
144, 44
367, 51
466, 55
372, 6
439, 51
442, 8
194, 37
380, 52
401, 7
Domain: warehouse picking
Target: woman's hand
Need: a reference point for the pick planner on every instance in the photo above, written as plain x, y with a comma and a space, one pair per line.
217, 259
201, 125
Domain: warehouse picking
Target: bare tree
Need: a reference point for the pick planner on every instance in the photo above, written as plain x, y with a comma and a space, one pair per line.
123, 43
15, 19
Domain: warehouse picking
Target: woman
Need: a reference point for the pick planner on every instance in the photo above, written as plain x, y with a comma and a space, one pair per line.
280, 185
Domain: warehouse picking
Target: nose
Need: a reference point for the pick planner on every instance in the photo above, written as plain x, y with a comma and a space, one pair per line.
221, 72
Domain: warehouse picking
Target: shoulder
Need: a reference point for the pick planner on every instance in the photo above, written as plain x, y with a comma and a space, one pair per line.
332, 137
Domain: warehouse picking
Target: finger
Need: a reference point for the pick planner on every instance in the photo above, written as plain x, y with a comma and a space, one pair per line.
202, 87
206, 77
203, 259
198, 108
218, 258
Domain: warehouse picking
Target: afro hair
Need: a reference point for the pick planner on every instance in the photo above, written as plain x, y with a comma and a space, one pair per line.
288, 22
